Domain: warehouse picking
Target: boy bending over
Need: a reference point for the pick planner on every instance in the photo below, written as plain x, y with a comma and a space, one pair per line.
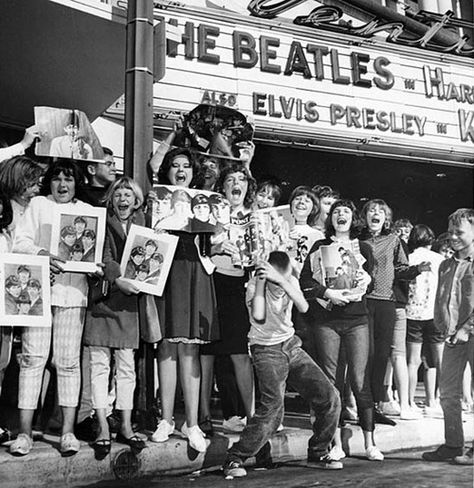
279, 359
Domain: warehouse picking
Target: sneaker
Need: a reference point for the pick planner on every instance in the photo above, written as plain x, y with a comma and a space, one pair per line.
69, 445
163, 431
390, 408
195, 437
22, 445
234, 469
410, 414
234, 424
373, 454
443, 453
324, 462
434, 412
336, 453
466, 459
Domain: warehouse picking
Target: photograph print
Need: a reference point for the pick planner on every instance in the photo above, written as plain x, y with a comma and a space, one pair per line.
78, 239
183, 209
25, 290
147, 258
66, 133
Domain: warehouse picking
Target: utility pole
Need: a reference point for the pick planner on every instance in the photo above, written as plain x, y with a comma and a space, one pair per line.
139, 91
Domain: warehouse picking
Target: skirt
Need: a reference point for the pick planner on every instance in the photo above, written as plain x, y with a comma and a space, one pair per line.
188, 308
233, 317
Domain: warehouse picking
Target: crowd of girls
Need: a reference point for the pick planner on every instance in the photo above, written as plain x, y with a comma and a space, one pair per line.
201, 322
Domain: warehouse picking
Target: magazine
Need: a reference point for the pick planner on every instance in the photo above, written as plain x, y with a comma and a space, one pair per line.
339, 266
259, 233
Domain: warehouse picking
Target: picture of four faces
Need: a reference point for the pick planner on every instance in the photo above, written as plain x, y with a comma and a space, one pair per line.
77, 241
23, 293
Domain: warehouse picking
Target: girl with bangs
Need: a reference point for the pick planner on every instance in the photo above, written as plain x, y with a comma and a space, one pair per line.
187, 311
68, 301
390, 264
112, 320
20, 177
345, 323
326, 197
268, 195
304, 207
238, 187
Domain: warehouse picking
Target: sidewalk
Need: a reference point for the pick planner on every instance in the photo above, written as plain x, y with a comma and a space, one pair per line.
44, 466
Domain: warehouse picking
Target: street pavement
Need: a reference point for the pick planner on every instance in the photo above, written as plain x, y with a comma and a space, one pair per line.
404, 469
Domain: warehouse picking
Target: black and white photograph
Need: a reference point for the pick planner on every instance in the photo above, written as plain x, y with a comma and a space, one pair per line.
186, 210
274, 286
25, 288
66, 133
78, 239
147, 259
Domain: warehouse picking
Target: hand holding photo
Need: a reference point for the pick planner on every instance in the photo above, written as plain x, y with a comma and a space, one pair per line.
78, 239
25, 290
147, 258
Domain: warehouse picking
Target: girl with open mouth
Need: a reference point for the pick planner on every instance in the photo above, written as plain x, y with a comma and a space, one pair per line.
388, 332
304, 208
187, 312
238, 187
68, 301
346, 322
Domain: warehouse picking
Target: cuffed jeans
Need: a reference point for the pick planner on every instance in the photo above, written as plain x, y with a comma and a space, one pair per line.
275, 366
455, 358
328, 339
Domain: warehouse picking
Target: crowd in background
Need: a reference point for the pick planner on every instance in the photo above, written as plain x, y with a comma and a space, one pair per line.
204, 327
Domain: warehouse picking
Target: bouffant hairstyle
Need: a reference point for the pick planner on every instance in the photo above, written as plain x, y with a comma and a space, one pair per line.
19, 173
68, 168
168, 161
420, 236
238, 168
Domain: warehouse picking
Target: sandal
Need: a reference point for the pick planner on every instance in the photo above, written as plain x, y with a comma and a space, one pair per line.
136, 443
101, 448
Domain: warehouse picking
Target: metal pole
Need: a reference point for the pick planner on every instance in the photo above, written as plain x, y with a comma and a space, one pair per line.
139, 90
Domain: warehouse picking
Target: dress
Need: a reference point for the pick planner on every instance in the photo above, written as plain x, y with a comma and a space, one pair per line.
188, 308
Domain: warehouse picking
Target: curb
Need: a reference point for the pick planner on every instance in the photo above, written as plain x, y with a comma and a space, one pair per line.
45, 466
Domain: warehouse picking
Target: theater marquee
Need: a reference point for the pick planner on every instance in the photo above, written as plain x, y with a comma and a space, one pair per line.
319, 88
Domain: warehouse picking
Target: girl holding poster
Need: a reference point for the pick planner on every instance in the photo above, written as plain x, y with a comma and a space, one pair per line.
187, 313
68, 301
340, 316
112, 320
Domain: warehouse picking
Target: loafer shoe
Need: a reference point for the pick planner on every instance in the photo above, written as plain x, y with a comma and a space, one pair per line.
69, 445
22, 445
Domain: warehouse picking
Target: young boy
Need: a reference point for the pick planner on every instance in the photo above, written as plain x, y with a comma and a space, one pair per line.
454, 315
278, 359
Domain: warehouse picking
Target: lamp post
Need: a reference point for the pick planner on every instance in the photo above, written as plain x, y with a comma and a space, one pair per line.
139, 90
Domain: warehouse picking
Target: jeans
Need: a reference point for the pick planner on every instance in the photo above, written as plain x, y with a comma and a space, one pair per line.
455, 358
381, 326
328, 340
275, 366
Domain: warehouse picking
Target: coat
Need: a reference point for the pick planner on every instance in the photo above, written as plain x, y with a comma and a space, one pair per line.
112, 317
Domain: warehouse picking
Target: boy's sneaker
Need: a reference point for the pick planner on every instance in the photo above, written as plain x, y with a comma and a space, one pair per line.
324, 462
235, 469
466, 459
195, 437
22, 445
336, 453
234, 424
443, 453
163, 431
